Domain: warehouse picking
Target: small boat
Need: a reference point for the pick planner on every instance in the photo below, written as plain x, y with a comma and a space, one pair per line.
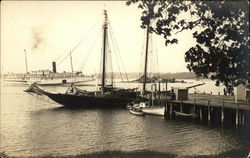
149, 110
157, 110
184, 115
136, 111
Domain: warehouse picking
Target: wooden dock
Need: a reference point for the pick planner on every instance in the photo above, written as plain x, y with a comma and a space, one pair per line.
215, 109
215, 101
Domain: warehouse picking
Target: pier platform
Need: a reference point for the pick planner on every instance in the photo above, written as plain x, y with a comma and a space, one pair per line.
215, 101
215, 109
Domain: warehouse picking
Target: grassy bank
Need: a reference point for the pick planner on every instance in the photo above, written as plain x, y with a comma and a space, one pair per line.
144, 154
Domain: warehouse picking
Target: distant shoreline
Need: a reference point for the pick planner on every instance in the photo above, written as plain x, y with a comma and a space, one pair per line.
135, 75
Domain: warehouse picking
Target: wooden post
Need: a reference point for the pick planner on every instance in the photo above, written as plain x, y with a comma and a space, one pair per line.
237, 115
193, 109
171, 110
166, 91
166, 109
181, 106
222, 111
159, 93
200, 113
152, 97
166, 86
239, 118
243, 119
208, 108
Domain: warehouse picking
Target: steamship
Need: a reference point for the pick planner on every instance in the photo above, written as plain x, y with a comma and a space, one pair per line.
46, 77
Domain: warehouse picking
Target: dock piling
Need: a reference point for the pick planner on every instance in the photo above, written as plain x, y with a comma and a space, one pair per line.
243, 119
222, 112
200, 110
181, 106
171, 110
193, 108
209, 112
237, 115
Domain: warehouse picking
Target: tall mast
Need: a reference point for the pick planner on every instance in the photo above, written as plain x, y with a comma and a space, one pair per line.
26, 61
71, 62
105, 27
146, 63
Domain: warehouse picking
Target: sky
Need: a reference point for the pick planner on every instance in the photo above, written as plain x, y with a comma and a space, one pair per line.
48, 30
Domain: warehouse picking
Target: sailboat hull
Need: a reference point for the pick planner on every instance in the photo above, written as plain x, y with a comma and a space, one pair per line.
73, 101
154, 110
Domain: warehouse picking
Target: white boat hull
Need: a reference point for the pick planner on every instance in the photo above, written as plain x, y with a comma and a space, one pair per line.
154, 110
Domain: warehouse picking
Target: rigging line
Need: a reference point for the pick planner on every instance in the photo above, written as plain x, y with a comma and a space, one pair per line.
111, 68
154, 54
109, 64
42, 98
77, 45
157, 61
119, 53
150, 70
151, 61
140, 72
89, 53
94, 26
116, 49
197, 90
100, 67
117, 58
142, 51
64, 52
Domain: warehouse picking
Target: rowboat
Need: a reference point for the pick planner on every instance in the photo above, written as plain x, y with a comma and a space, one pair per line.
185, 115
136, 111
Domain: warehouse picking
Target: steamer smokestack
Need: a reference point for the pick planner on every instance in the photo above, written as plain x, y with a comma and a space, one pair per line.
54, 66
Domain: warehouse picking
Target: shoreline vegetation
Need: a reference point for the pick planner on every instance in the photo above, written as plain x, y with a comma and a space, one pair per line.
141, 154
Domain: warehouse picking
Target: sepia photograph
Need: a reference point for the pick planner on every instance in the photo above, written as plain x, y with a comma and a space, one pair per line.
125, 79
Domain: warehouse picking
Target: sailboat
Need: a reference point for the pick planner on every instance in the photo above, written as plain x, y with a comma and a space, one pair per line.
107, 97
145, 106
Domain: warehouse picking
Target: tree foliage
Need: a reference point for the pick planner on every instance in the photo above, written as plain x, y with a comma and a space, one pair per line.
221, 30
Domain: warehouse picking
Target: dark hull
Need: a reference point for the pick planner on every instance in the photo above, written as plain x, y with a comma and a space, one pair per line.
73, 101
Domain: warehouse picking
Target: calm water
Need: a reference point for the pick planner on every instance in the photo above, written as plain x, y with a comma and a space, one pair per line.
34, 127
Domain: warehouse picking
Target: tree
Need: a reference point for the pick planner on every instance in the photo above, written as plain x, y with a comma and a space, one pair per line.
221, 30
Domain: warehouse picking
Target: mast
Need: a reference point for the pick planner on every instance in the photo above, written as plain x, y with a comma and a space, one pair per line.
146, 63
71, 62
105, 27
26, 61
